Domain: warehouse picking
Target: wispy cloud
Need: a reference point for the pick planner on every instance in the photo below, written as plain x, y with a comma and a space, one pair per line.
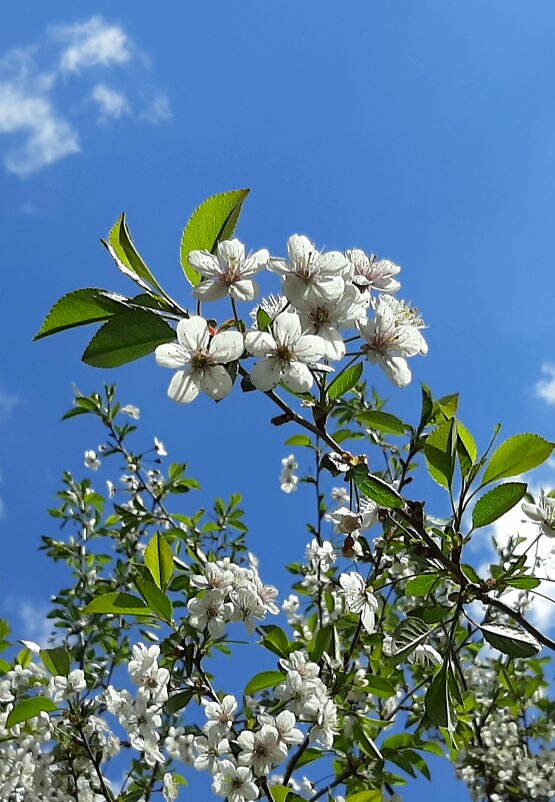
31, 80
545, 388
35, 625
111, 103
91, 44
8, 401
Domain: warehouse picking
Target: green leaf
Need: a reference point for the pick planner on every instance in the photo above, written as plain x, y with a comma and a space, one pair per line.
517, 455
380, 686
427, 406
57, 661
159, 561
321, 642
127, 258
214, 220
276, 640
156, 599
126, 337
379, 491
345, 381
280, 792
447, 406
438, 703
299, 440
80, 307
177, 701
382, 422
309, 756
510, 640
467, 440
409, 634
266, 679
365, 796
421, 585
439, 450
263, 319
365, 742
117, 604
29, 708
495, 503
523, 582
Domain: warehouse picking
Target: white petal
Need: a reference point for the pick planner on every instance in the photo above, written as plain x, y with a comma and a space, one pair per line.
368, 619
184, 387
299, 247
205, 263
266, 374
298, 377
255, 262
397, 369
171, 355
226, 346
244, 290
231, 249
280, 266
334, 263
287, 328
333, 343
210, 290
411, 341
309, 348
192, 333
260, 343
216, 382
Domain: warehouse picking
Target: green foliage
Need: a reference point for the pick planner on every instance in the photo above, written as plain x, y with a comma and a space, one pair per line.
377, 489
159, 561
517, 455
117, 604
345, 381
127, 258
29, 708
382, 422
80, 307
214, 220
440, 452
510, 640
264, 680
495, 503
57, 661
126, 337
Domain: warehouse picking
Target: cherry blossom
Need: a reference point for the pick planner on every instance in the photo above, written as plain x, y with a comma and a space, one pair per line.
228, 272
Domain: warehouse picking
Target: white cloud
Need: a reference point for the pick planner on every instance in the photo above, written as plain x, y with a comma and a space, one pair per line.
111, 103
49, 137
7, 403
158, 110
545, 388
91, 44
35, 625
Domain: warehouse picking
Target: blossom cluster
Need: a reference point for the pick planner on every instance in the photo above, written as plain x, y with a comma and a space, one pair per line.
297, 334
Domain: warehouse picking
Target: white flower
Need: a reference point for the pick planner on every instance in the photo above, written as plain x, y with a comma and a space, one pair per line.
229, 272
348, 522
360, 599
145, 672
91, 460
326, 725
326, 318
261, 750
220, 714
299, 662
286, 353
285, 726
426, 655
309, 274
288, 479
373, 273
320, 555
234, 782
339, 494
210, 611
301, 696
542, 513
170, 791
160, 448
63, 687
214, 577
132, 411
406, 315
247, 607
209, 748
272, 305
388, 343
202, 357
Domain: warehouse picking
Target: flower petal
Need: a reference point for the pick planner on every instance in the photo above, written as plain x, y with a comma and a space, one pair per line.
205, 263
184, 387
192, 333
216, 382
260, 343
171, 355
255, 262
396, 368
226, 346
244, 289
210, 290
266, 374
334, 263
298, 377
231, 250
299, 248
309, 348
287, 328
334, 347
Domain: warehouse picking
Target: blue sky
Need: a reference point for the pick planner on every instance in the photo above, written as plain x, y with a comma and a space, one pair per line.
421, 131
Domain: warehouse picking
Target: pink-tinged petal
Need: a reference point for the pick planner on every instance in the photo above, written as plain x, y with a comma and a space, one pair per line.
255, 262
397, 369
227, 346
205, 263
266, 374
231, 249
243, 290
171, 355
192, 333
216, 382
210, 290
260, 343
184, 387
309, 348
298, 377
287, 328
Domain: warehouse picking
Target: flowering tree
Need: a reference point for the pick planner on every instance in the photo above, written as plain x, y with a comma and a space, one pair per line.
393, 648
